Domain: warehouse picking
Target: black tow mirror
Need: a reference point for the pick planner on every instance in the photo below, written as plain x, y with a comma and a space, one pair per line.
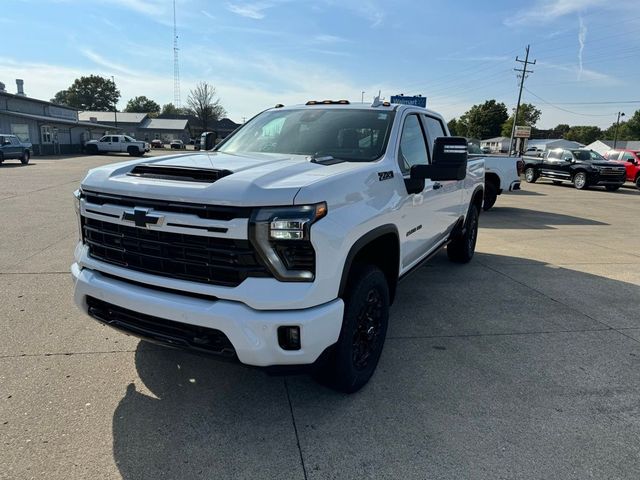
448, 162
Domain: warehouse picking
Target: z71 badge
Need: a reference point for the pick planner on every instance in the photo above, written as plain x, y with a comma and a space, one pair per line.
385, 175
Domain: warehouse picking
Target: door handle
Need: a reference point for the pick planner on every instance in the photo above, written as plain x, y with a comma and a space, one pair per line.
437, 185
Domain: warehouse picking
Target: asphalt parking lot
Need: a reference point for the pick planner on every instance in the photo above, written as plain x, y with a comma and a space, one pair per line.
523, 364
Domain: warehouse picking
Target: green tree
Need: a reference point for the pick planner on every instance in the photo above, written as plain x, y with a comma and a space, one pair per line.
559, 131
454, 128
205, 104
142, 104
483, 120
584, 134
528, 115
629, 130
170, 109
90, 93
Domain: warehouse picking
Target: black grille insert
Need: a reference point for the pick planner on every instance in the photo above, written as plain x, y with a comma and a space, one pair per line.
160, 330
218, 261
211, 212
171, 172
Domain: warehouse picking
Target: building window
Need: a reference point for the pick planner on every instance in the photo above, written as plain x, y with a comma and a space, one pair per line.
20, 130
45, 132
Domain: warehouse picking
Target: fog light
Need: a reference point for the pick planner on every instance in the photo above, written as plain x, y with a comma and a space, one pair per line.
289, 338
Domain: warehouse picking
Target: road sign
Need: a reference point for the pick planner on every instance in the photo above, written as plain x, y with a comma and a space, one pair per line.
417, 101
522, 132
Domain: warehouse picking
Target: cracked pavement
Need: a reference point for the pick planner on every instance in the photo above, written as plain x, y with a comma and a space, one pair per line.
523, 364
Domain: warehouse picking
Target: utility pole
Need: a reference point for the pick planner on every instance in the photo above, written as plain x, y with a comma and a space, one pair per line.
362, 98
115, 106
524, 72
615, 137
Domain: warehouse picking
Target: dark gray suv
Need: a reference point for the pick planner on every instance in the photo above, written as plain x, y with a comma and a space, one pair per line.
12, 148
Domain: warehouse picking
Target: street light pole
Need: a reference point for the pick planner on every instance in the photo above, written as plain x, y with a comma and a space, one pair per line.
115, 107
615, 137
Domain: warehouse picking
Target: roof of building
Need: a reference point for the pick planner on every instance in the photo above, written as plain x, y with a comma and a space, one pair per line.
112, 117
550, 142
495, 139
165, 124
622, 144
25, 97
64, 121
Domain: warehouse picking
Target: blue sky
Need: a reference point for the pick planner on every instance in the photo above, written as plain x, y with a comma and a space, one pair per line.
259, 53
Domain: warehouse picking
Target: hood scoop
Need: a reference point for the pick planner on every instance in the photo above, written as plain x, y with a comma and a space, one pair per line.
179, 173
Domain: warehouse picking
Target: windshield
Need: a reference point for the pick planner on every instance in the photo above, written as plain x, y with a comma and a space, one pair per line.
596, 156
346, 134
585, 155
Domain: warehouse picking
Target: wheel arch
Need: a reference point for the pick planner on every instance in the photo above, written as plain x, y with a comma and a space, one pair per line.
492, 177
380, 247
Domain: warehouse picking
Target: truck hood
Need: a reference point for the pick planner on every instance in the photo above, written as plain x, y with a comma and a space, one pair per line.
256, 179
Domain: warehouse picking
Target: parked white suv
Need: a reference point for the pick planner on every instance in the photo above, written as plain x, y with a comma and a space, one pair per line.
283, 247
117, 144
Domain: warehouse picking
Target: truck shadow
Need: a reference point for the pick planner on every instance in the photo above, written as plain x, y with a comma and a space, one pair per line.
189, 416
523, 218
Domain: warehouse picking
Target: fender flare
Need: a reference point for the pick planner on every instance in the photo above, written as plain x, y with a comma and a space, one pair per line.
357, 247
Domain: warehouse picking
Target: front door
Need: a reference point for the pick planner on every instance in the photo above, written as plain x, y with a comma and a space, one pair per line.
420, 227
557, 164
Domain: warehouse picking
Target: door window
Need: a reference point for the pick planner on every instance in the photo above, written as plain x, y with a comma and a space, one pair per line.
627, 157
555, 154
413, 149
45, 132
14, 141
434, 128
105, 139
567, 156
115, 139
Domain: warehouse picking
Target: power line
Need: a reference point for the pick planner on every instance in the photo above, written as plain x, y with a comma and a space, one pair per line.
568, 111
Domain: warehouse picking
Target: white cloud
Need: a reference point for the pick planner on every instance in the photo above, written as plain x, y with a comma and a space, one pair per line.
328, 39
542, 11
585, 74
582, 37
249, 10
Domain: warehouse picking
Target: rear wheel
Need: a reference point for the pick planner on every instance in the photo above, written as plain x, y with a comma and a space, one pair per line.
638, 182
490, 195
25, 157
580, 181
364, 328
530, 175
462, 248
612, 188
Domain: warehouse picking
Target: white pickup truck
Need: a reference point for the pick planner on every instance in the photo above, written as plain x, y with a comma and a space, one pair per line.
117, 144
281, 248
501, 174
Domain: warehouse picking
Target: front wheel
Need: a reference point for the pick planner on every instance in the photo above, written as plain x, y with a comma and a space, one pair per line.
462, 248
530, 175
25, 157
580, 181
612, 188
638, 182
364, 329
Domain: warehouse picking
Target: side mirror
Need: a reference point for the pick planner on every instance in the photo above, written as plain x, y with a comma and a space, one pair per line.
448, 162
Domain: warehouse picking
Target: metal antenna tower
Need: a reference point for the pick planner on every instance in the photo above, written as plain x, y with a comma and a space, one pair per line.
176, 63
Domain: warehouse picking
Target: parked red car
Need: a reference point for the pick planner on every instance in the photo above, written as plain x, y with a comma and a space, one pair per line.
631, 159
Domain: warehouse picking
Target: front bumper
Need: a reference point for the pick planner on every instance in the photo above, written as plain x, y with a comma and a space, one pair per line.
253, 333
515, 186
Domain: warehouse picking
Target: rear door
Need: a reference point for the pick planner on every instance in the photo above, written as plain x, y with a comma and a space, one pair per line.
16, 147
557, 164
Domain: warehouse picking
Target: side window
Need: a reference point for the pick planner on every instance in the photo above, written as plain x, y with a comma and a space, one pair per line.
434, 129
115, 139
105, 139
14, 141
554, 154
566, 155
413, 149
626, 156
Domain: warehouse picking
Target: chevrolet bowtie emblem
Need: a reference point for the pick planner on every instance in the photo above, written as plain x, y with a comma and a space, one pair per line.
141, 217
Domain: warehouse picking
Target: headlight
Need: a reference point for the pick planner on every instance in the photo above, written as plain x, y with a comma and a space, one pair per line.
77, 195
282, 237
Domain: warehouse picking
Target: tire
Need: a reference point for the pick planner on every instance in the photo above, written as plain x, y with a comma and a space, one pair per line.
530, 175
462, 248
364, 328
580, 181
490, 195
1, 158
612, 188
25, 157
637, 181
135, 151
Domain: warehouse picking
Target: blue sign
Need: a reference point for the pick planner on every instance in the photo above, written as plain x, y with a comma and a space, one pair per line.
418, 101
